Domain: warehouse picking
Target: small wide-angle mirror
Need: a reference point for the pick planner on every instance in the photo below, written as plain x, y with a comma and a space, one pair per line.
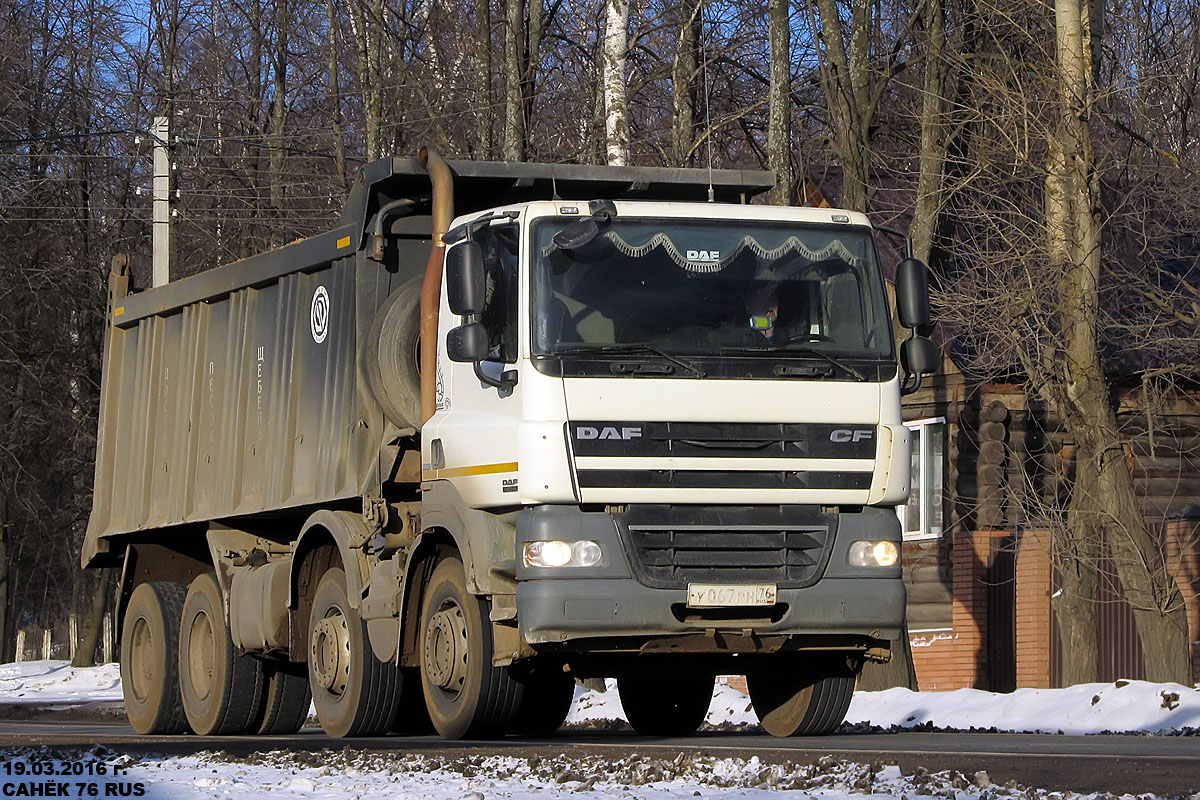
920, 356
464, 278
467, 343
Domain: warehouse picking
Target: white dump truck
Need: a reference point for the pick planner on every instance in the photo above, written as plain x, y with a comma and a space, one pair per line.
430, 469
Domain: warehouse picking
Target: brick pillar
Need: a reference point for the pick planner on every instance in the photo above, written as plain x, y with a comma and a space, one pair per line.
972, 552
1033, 610
958, 660
1183, 562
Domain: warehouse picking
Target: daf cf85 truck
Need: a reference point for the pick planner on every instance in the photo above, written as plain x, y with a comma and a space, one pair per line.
503, 427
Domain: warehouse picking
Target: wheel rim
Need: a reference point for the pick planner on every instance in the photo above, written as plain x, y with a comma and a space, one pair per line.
331, 652
201, 663
141, 663
446, 651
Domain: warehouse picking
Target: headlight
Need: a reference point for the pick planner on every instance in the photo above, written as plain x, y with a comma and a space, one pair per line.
874, 554
585, 553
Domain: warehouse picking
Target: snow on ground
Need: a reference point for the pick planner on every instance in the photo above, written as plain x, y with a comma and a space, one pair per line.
1124, 706
350, 775
57, 682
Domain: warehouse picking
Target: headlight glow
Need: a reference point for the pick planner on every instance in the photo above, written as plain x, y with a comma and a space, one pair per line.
556, 553
874, 554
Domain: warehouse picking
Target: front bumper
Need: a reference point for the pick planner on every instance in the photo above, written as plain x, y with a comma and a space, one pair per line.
562, 611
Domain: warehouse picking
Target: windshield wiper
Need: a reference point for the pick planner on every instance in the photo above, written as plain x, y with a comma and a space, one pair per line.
809, 351
633, 348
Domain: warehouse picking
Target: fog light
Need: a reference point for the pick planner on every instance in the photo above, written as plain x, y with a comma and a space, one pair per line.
557, 553
874, 554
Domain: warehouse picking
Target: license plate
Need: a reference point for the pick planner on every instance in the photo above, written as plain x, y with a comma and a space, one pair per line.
723, 595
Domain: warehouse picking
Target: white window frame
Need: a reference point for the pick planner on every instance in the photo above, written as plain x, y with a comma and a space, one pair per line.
919, 428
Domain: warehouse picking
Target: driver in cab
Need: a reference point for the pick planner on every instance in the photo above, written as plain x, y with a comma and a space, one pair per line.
761, 327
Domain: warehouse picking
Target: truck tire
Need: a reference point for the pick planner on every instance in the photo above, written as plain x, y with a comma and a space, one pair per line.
467, 697
808, 700
391, 360
545, 702
665, 704
355, 693
412, 717
222, 688
286, 700
150, 658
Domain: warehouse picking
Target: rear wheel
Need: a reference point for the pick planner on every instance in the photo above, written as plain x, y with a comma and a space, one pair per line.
150, 658
809, 698
665, 704
222, 688
354, 692
467, 697
287, 698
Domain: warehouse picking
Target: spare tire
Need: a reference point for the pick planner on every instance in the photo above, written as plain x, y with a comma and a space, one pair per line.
391, 355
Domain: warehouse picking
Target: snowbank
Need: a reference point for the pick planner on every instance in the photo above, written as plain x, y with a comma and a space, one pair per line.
1123, 706
57, 682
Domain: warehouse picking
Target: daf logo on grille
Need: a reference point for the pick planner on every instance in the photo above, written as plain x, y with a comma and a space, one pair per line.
607, 432
842, 435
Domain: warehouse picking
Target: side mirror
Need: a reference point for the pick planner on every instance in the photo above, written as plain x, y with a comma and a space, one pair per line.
920, 356
912, 293
464, 278
467, 343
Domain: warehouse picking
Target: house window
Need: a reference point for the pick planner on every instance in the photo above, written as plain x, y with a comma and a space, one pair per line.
923, 516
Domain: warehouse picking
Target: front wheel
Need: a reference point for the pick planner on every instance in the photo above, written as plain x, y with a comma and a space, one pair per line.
809, 699
354, 692
467, 697
665, 704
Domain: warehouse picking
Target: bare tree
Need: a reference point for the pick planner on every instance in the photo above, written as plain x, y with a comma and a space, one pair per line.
616, 103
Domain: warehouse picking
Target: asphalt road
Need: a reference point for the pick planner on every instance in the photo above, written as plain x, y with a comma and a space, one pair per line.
1167, 766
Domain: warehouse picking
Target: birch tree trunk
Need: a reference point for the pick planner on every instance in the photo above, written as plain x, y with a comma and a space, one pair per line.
684, 67
1082, 394
279, 68
779, 130
335, 96
369, 46
616, 105
514, 104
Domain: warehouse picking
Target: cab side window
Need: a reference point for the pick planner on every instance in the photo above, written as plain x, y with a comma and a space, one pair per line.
499, 315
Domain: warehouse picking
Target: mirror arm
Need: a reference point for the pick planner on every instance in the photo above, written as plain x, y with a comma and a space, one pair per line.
506, 382
906, 388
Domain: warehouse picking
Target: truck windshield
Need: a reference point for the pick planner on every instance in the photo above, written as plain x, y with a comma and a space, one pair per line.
710, 288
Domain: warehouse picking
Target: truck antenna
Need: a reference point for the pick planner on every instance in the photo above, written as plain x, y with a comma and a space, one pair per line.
553, 185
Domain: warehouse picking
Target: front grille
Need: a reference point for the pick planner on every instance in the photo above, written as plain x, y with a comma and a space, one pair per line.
718, 479
672, 556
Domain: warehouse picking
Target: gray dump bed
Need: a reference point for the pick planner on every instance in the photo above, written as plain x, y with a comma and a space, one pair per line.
245, 389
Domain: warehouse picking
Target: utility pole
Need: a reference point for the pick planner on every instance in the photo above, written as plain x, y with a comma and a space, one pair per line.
162, 201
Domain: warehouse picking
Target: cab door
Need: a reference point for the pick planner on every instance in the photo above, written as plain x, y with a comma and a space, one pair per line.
477, 422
